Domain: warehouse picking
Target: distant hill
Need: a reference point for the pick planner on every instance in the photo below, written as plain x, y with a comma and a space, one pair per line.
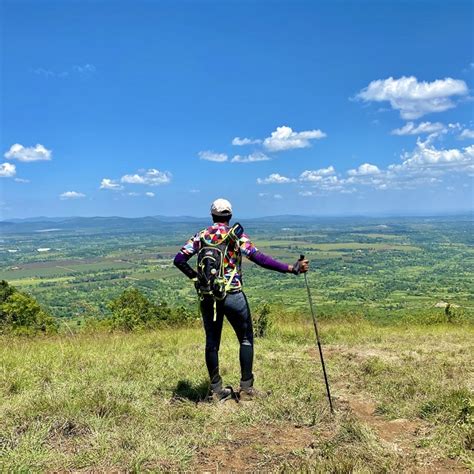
114, 224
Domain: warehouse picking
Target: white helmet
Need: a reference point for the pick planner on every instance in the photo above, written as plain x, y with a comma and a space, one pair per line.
221, 207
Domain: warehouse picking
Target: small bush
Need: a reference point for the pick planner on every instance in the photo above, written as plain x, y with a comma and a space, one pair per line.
21, 314
262, 321
132, 310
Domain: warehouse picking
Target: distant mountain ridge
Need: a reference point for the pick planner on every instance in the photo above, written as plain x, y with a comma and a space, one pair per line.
105, 224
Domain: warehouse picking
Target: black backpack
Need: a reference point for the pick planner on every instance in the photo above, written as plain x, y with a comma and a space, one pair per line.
210, 264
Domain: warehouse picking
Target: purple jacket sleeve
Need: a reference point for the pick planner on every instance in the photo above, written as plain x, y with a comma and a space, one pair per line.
181, 261
268, 262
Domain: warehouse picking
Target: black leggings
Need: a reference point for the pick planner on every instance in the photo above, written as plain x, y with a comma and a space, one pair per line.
237, 311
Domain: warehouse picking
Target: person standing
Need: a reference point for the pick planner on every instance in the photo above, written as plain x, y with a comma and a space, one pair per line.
219, 283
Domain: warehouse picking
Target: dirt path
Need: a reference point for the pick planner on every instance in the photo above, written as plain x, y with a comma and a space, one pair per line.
255, 449
402, 435
268, 447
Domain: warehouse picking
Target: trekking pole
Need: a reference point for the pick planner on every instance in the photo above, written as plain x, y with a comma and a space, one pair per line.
317, 339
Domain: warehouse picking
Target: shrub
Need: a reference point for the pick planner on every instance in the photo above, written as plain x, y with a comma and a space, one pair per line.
133, 310
262, 321
21, 314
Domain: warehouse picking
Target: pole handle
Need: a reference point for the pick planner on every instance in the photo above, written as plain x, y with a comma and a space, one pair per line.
301, 258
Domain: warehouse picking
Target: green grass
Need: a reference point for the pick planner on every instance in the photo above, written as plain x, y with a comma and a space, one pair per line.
55, 269
128, 401
335, 246
380, 236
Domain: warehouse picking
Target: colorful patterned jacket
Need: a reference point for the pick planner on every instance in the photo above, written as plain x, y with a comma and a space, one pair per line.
215, 234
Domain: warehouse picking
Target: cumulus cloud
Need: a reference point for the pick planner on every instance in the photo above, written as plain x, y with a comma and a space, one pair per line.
275, 178
426, 157
111, 184
284, 138
324, 180
71, 195
150, 195
365, 169
237, 141
212, 156
426, 165
412, 98
467, 134
151, 177
7, 170
27, 154
317, 175
411, 128
257, 156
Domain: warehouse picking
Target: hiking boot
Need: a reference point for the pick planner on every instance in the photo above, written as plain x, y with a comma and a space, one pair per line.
218, 393
248, 392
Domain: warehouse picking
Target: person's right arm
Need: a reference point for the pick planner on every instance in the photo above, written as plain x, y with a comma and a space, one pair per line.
189, 249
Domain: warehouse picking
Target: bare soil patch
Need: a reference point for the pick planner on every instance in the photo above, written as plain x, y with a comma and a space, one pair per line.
255, 448
402, 434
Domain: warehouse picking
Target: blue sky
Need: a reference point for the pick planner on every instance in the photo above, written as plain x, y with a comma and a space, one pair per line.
143, 108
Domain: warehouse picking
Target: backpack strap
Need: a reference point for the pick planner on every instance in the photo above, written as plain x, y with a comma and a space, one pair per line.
231, 278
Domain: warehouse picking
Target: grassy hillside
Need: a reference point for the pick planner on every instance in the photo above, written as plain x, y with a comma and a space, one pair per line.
133, 401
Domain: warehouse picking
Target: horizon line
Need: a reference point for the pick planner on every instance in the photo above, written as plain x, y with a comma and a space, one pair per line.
341, 215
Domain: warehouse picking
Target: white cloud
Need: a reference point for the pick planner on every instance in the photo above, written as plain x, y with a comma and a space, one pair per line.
133, 194
411, 128
427, 157
212, 156
317, 175
412, 98
44, 72
85, 69
21, 180
426, 165
467, 134
7, 170
325, 184
268, 195
76, 69
71, 195
257, 156
275, 178
194, 191
365, 169
151, 177
237, 141
111, 184
27, 154
150, 195
284, 138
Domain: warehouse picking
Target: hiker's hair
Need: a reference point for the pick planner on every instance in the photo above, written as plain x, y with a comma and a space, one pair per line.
221, 218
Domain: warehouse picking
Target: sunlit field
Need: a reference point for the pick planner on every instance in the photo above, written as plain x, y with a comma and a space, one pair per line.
136, 401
